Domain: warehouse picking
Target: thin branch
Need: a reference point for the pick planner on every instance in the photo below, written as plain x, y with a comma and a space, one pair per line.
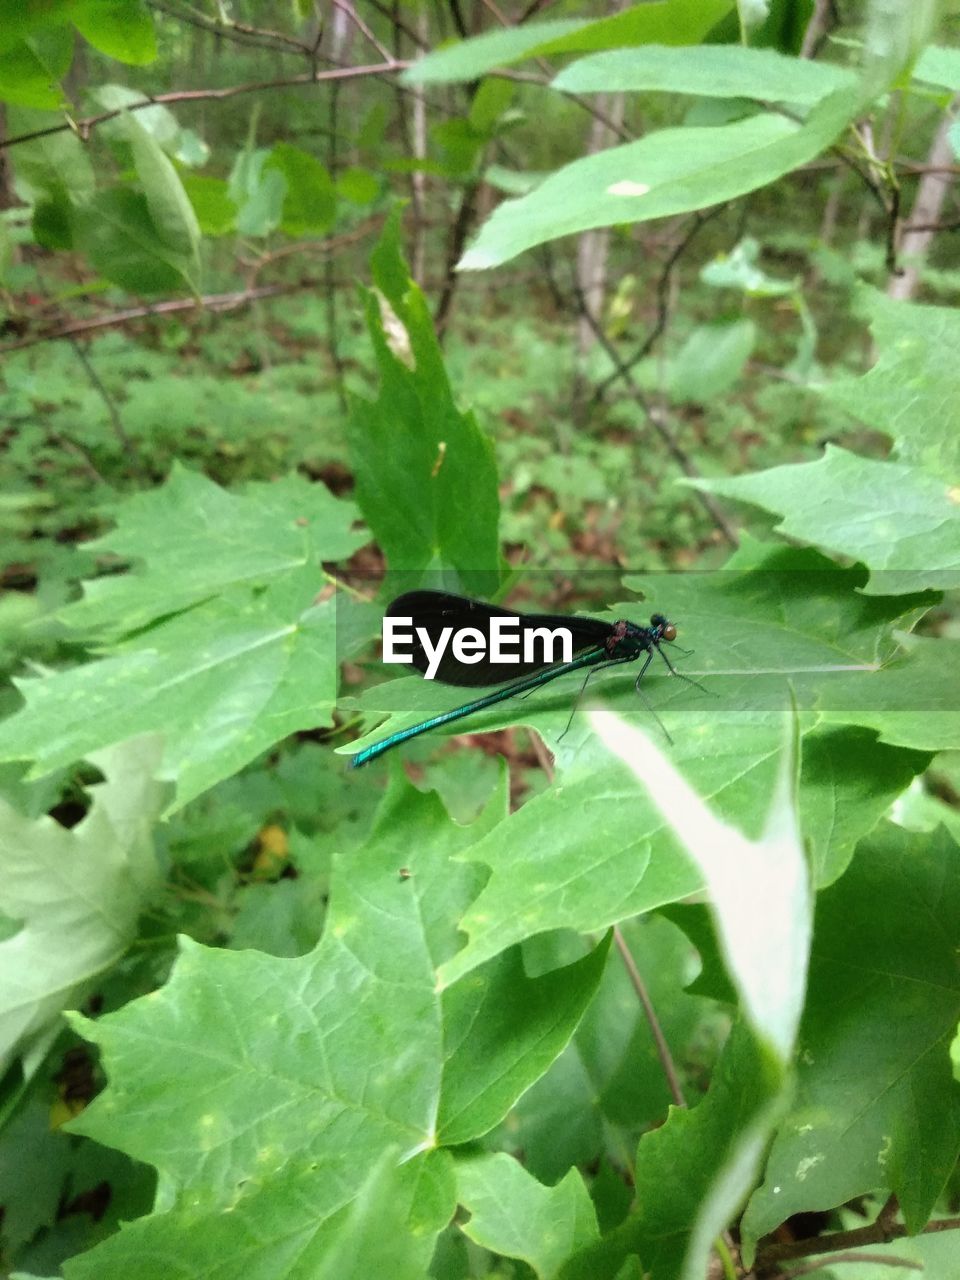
347, 8
927, 207
245, 29
251, 37
126, 444
83, 127
97, 383
210, 302
333, 329
74, 447
619, 130
822, 20
400, 25
615, 127
533, 8
497, 12
455, 244
213, 301
413, 129
664, 284
876, 1233
931, 226
887, 1260
893, 230
643, 995
328, 247
458, 20
911, 167
656, 420
887, 1216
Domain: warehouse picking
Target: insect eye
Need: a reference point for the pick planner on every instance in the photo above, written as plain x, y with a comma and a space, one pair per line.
669, 632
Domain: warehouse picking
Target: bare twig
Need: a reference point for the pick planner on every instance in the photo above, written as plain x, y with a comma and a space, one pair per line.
83, 127
533, 8
96, 381
126, 444
616, 127
327, 247
931, 226
78, 450
910, 167
893, 229
875, 176
330, 291
210, 302
887, 1260
876, 1233
214, 301
656, 420
455, 244
458, 19
700, 220
643, 995
927, 207
822, 20
415, 137
252, 37
497, 12
348, 8
545, 80
468, 200
399, 24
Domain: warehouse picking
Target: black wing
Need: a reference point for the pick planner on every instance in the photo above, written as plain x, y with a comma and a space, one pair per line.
435, 610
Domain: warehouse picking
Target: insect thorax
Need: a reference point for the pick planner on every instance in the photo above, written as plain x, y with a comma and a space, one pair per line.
627, 640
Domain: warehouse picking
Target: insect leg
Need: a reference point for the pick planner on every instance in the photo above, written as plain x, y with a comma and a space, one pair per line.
674, 672
614, 662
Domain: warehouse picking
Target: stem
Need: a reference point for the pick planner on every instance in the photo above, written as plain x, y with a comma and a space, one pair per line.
879, 1232
112, 412
656, 420
887, 1260
83, 127
722, 1251
643, 995
210, 301
333, 340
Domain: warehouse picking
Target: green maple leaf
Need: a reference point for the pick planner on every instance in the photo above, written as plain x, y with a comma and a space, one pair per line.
286, 1101
778, 621
216, 636
901, 518
912, 702
900, 521
190, 540
876, 1106
222, 682
691, 1172
514, 1215
694, 1173
76, 894
912, 393
850, 779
